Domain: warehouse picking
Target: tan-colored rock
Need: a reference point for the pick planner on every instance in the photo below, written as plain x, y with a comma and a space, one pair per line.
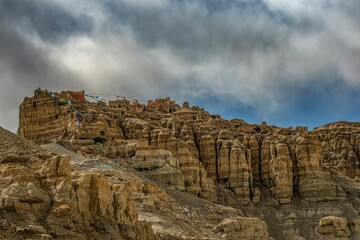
240, 171
277, 168
223, 166
334, 226
340, 142
41, 198
354, 226
136, 129
151, 159
255, 157
265, 170
208, 155
159, 138
195, 176
281, 173
241, 227
187, 135
314, 181
256, 195
168, 175
211, 149
265, 159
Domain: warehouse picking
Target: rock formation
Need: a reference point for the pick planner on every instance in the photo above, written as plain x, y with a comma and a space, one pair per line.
333, 227
267, 171
244, 228
49, 196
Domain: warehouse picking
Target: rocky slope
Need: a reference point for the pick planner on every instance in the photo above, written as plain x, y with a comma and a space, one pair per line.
302, 183
49, 196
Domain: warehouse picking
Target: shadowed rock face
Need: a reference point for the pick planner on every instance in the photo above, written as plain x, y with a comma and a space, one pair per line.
228, 162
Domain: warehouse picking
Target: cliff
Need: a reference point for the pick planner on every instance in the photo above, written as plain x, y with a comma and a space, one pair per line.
302, 184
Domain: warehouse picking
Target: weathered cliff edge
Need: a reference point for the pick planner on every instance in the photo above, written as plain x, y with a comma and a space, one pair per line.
291, 178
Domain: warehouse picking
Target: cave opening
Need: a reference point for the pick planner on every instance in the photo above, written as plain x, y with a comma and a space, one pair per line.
99, 140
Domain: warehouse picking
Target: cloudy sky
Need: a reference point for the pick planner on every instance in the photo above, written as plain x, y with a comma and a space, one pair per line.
284, 62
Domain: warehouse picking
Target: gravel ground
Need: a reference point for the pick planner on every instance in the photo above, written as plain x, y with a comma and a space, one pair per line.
60, 150
15, 147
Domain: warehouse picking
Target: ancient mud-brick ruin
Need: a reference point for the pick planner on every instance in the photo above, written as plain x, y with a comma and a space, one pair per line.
44, 119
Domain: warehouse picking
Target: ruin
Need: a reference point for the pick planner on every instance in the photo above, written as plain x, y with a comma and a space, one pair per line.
47, 117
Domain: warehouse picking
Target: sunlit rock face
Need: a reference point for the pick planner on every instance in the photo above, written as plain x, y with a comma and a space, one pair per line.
228, 162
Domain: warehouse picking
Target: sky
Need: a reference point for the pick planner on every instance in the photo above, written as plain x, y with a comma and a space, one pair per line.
285, 62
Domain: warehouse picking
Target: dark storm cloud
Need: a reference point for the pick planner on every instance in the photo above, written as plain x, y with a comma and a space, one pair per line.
202, 29
49, 20
23, 63
261, 59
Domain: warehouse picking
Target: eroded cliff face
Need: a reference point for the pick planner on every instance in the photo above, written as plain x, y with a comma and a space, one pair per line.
234, 163
49, 196
43, 197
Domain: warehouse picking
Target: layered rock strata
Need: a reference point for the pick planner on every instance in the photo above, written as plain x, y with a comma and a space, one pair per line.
290, 178
49, 196
202, 150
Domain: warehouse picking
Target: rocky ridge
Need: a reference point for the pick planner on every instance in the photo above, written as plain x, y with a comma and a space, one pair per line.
263, 170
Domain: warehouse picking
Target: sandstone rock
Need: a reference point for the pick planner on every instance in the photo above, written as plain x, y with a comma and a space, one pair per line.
281, 173
290, 229
266, 170
190, 167
314, 182
334, 226
202, 145
168, 175
159, 137
255, 157
240, 171
187, 135
245, 228
42, 198
136, 129
354, 226
223, 153
154, 158
340, 143
267, 148
208, 155
256, 195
